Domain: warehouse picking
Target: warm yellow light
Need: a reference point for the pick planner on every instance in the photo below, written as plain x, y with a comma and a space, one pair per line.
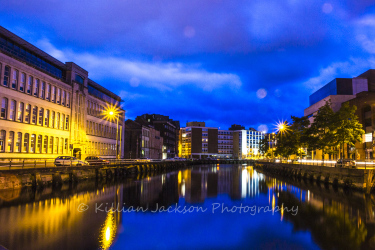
111, 112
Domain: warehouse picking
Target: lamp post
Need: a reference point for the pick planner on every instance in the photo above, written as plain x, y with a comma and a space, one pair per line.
115, 114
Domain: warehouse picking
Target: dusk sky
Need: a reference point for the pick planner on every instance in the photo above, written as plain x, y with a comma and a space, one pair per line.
224, 62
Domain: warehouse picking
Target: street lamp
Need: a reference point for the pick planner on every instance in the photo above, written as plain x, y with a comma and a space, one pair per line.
114, 113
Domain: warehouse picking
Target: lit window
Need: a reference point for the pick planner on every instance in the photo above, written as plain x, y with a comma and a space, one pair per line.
26, 143
19, 142
4, 108
22, 82
10, 142
2, 140
14, 79
12, 113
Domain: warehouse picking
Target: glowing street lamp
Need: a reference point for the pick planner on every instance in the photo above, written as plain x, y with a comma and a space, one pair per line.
111, 113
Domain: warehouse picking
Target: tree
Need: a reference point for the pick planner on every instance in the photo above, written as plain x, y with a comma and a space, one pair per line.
300, 132
322, 131
349, 130
286, 143
263, 146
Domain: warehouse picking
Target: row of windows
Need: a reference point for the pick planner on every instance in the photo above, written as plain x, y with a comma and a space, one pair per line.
32, 115
98, 148
33, 86
93, 128
225, 133
26, 143
28, 56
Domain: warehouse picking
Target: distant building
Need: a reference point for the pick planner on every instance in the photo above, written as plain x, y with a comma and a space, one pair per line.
246, 143
50, 108
169, 131
142, 141
236, 127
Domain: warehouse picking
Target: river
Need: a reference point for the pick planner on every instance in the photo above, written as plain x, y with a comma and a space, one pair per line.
202, 207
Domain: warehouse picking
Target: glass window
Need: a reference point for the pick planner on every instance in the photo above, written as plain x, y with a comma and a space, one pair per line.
26, 143
57, 120
27, 113
66, 146
62, 121
18, 142
34, 115
53, 95
14, 79
68, 99
61, 147
12, 113
36, 87
50, 145
39, 145
41, 116
20, 112
46, 119
22, 82
63, 98
53, 119
48, 93
45, 144
43, 90
10, 142
79, 79
56, 145
2, 140
32, 143
67, 123
4, 108
29, 85
6, 76
58, 96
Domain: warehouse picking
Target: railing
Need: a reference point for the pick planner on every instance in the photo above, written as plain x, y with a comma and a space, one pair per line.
326, 163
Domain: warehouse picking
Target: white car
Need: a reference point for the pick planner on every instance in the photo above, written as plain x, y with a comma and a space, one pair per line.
69, 161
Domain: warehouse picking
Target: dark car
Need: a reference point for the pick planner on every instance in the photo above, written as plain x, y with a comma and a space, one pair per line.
95, 160
345, 163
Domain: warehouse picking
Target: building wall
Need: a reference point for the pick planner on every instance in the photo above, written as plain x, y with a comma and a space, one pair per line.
212, 141
196, 140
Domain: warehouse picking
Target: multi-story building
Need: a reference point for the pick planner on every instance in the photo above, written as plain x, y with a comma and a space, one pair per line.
225, 144
50, 108
246, 143
359, 91
169, 131
142, 140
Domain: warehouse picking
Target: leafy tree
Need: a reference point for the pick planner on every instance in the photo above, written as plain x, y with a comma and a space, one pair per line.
300, 132
286, 143
349, 130
263, 145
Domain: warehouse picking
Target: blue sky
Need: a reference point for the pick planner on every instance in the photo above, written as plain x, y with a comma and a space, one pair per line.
223, 62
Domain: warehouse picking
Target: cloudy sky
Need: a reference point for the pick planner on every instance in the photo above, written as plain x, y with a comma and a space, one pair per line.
220, 61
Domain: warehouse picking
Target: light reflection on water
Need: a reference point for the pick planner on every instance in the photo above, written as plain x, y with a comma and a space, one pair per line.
326, 218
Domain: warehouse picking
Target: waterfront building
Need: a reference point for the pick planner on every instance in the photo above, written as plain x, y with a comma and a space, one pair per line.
359, 91
50, 108
169, 131
142, 140
246, 143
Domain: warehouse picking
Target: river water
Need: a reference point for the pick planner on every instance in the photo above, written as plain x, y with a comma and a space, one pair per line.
203, 207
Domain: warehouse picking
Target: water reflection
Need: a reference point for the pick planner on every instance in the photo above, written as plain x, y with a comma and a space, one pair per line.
50, 218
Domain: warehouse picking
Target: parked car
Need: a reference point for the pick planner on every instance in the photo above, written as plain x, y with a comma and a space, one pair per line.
69, 161
143, 159
95, 160
345, 163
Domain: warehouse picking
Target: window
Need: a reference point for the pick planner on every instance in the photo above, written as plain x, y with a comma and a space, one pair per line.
45, 144
14, 79
66, 146
36, 87
53, 119
10, 142
56, 145
19, 142
53, 95
61, 147
62, 121
12, 113
43, 90
22, 82
26, 143
41, 116
27, 113
57, 121
58, 96
2, 140
46, 119
32, 144
68, 99
63, 98
48, 93
50, 145
34, 115
67, 123
79, 79
29, 85
4, 108
6, 76
39, 145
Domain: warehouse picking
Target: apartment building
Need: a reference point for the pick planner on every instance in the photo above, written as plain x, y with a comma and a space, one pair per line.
246, 143
50, 108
